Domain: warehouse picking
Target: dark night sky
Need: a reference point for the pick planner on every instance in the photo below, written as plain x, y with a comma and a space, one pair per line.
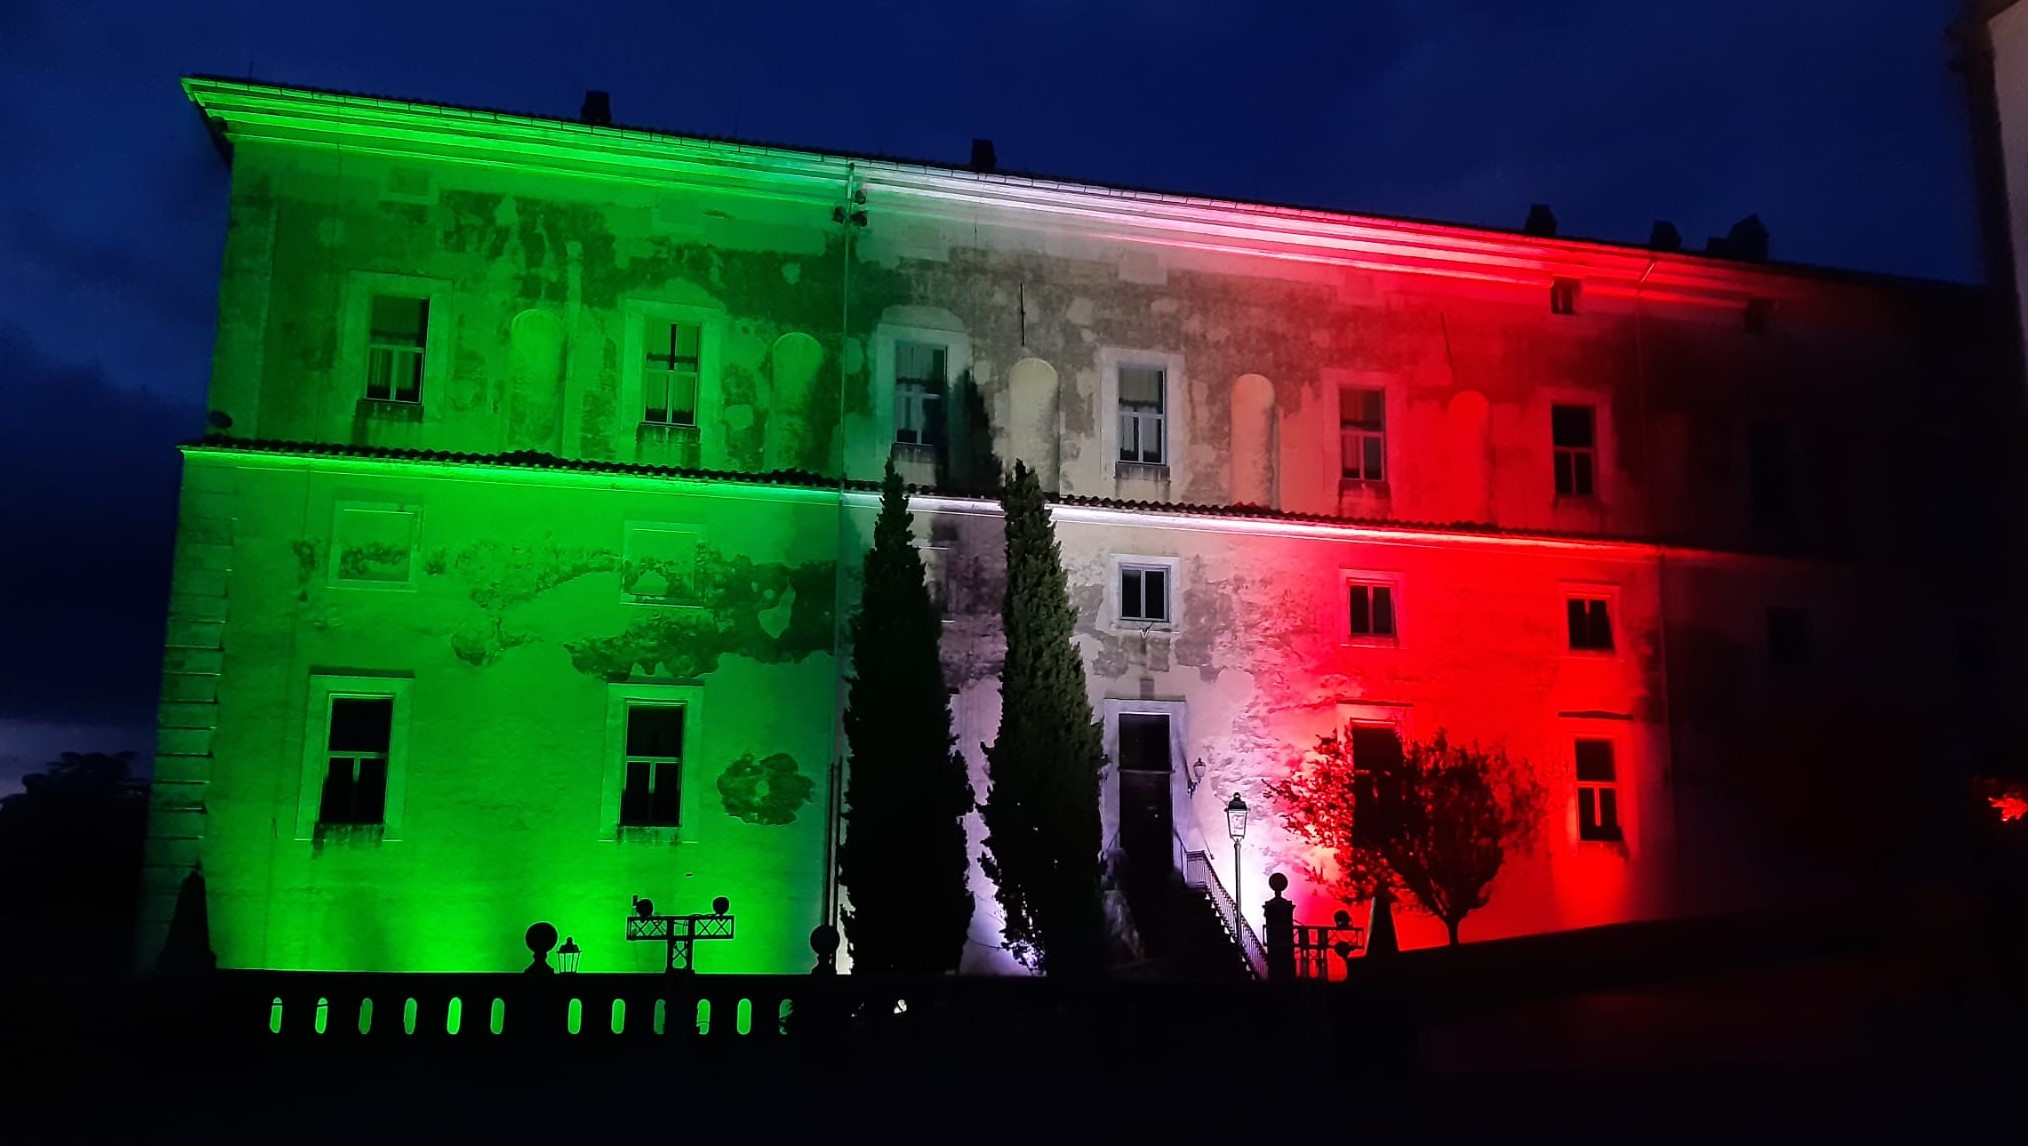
1836, 120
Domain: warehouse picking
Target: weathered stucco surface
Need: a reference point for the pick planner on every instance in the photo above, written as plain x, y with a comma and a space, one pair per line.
513, 605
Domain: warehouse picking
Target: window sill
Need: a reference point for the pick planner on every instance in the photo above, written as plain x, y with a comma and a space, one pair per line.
1131, 628
1362, 642
349, 834
1593, 654
1579, 501
1360, 487
1157, 472
664, 443
390, 410
648, 834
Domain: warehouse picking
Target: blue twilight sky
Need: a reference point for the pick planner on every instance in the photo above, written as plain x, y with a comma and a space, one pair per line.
1837, 121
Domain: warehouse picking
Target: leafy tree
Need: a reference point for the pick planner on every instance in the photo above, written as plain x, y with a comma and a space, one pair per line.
1436, 819
1042, 814
70, 865
903, 856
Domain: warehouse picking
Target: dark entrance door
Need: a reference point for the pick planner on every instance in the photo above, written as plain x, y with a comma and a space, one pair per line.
1145, 811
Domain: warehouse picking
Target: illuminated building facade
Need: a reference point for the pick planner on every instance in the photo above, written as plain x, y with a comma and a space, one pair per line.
511, 579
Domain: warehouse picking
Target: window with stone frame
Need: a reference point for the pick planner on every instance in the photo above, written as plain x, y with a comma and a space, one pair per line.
1362, 434
396, 348
652, 787
1590, 623
1574, 441
921, 379
1598, 796
358, 738
1370, 610
1143, 415
669, 377
1144, 594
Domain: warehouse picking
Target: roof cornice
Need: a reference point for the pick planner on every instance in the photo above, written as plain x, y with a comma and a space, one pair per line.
242, 110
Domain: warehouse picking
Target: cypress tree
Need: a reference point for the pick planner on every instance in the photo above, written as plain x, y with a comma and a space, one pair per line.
1042, 812
903, 857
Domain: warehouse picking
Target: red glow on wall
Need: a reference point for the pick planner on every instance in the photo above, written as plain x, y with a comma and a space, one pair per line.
2011, 805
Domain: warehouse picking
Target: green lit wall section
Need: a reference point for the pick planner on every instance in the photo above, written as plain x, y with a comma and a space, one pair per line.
515, 612
513, 615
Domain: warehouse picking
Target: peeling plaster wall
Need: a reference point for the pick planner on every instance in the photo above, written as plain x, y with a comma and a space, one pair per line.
513, 633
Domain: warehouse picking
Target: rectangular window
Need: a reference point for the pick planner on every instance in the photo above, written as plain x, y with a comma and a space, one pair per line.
669, 377
1144, 594
1563, 295
1598, 800
1372, 610
1591, 626
654, 766
1767, 471
1143, 415
1573, 433
919, 381
1362, 435
396, 335
1144, 742
1788, 637
357, 741
1376, 748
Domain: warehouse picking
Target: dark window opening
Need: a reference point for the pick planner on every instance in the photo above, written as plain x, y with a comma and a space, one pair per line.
1376, 752
653, 787
1362, 435
1144, 742
920, 377
397, 333
669, 380
1372, 610
1598, 804
1591, 627
1574, 436
1563, 295
1143, 414
1144, 594
357, 749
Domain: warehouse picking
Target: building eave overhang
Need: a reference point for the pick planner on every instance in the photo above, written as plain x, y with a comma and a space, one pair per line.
1075, 509
242, 110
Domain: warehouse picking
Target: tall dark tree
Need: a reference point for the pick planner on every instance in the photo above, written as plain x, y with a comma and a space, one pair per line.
903, 858
70, 865
1042, 812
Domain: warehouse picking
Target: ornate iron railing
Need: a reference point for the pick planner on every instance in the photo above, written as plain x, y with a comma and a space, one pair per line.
1199, 873
1315, 944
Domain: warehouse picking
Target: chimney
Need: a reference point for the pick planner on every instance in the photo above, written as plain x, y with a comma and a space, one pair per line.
1541, 222
1748, 240
1665, 237
598, 108
983, 158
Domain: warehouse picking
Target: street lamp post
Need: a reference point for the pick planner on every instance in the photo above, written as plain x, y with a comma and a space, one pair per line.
1235, 826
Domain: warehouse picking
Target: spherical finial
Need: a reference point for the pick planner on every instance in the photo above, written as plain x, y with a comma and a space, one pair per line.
1343, 918
824, 940
643, 908
721, 905
541, 937
1278, 883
